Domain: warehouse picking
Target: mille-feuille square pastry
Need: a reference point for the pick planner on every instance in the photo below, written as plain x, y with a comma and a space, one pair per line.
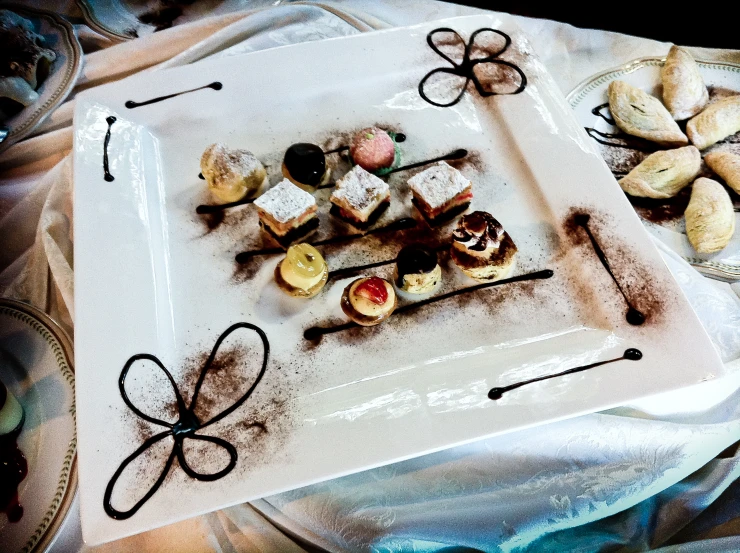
360, 197
439, 190
287, 212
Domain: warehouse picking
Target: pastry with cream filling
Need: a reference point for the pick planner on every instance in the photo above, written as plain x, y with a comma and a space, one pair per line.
287, 212
717, 122
684, 91
230, 174
663, 174
303, 272
710, 217
369, 301
482, 248
417, 270
360, 197
305, 165
727, 166
441, 189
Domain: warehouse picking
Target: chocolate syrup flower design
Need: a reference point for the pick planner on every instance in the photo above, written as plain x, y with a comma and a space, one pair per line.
478, 60
187, 425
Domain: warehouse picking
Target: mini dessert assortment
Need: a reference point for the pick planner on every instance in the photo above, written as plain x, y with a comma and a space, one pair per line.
417, 270
710, 218
303, 272
481, 248
369, 301
304, 164
638, 113
360, 196
375, 150
439, 190
684, 91
663, 174
287, 212
231, 174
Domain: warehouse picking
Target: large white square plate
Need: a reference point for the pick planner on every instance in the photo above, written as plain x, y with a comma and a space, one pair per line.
152, 278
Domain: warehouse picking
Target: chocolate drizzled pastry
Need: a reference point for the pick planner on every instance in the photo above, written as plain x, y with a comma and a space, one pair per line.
305, 164
417, 269
482, 248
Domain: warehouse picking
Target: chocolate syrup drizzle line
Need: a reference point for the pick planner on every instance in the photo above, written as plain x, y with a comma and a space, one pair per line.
315, 332
466, 68
604, 137
634, 316
401, 224
186, 426
599, 112
339, 273
107, 176
631, 354
130, 104
337, 150
205, 209
457, 154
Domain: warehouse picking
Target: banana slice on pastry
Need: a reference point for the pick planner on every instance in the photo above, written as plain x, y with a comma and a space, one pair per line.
684, 91
639, 114
663, 174
718, 121
710, 218
727, 166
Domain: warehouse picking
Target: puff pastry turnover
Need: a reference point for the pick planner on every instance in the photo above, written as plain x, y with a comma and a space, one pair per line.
727, 166
663, 174
684, 91
718, 121
710, 219
639, 114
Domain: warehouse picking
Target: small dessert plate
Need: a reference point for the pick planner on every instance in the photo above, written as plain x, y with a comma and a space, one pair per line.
59, 36
278, 392
664, 219
36, 366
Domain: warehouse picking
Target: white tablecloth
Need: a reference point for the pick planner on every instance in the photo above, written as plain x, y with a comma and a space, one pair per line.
632, 479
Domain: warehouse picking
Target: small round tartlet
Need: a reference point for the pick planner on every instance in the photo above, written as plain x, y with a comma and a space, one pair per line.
369, 301
303, 272
231, 175
481, 248
417, 270
304, 165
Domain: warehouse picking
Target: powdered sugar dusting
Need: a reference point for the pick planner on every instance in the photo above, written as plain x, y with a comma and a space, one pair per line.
220, 164
285, 201
438, 184
360, 189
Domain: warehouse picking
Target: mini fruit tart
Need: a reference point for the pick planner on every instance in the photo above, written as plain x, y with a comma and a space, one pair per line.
303, 272
369, 301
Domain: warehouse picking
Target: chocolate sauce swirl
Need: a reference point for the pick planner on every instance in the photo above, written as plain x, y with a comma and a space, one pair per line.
130, 104
107, 176
598, 111
186, 426
634, 316
478, 231
631, 354
466, 67
398, 225
316, 332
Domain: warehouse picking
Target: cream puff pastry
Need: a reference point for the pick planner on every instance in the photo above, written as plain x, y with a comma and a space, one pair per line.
231, 174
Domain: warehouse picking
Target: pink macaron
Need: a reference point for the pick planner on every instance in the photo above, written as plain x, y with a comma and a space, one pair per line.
373, 149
